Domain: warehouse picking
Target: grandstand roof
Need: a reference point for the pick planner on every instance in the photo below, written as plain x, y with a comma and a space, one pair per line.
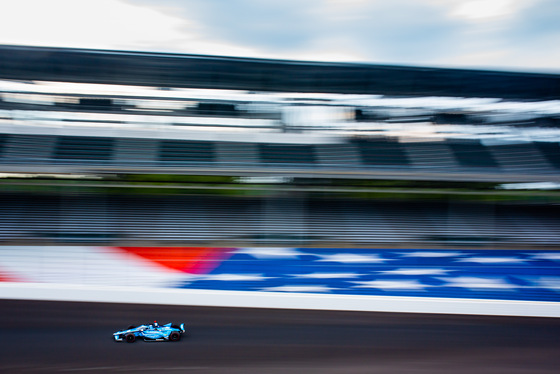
192, 71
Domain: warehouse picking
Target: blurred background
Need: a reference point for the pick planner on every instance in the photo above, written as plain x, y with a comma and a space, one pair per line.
405, 152
400, 147
123, 148
420, 123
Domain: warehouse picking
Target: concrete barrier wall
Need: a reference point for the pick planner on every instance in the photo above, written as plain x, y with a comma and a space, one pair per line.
516, 282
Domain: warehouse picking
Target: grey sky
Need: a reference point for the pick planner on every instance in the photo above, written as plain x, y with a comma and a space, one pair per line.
506, 34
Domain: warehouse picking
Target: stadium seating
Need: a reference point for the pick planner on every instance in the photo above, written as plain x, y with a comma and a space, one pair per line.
275, 219
446, 158
201, 115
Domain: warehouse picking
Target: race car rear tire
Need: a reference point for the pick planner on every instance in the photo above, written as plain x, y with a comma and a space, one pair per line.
174, 337
130, 327
130, 338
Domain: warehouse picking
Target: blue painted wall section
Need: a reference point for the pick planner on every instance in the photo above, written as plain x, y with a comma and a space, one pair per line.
478, 274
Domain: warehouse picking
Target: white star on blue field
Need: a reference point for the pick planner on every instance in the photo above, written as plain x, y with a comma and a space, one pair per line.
478, 274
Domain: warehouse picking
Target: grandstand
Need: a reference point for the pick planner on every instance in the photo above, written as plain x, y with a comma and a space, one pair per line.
105, 113
180, 220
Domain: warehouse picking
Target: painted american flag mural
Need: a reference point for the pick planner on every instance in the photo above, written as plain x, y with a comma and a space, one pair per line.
479, 274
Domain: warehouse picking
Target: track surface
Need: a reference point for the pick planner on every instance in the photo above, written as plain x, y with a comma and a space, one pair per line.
56, 337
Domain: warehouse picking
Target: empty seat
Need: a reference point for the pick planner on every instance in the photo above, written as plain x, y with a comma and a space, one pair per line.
381, 152
551, 151
186, 151
472, 153
87, 148
287, 154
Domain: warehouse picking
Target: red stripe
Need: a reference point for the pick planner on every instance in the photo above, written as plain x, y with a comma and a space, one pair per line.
6, 277
194, 260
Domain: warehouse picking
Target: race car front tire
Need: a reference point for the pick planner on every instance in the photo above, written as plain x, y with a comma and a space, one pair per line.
130, 338
174, 337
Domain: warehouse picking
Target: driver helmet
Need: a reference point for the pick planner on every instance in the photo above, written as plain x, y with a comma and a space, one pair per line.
156, 324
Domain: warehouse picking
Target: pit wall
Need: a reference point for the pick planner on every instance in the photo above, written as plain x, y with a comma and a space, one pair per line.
489, 282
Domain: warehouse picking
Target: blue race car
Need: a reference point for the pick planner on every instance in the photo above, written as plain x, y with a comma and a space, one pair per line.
151, 333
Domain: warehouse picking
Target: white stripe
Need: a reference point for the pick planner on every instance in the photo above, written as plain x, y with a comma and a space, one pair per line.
416, 271
431, 254
311, 301
85, 265
493, 260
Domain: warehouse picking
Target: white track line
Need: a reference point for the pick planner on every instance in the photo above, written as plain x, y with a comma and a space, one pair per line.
169, 296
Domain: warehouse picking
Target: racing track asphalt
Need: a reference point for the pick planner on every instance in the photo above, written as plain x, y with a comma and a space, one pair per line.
64, 337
